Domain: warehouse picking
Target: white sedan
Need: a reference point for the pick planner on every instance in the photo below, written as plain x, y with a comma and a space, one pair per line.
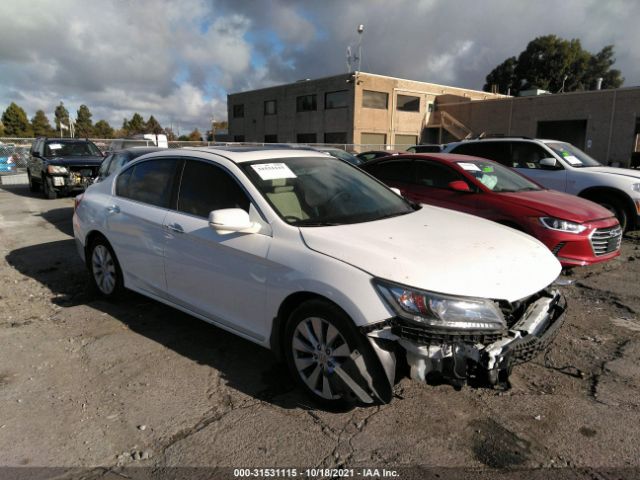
313, 258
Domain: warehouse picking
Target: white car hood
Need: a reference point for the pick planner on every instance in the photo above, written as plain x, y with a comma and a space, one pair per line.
625, 172
442, 251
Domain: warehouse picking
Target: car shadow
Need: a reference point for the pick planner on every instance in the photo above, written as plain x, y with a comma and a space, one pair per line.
22, 190
244, 366
60, 218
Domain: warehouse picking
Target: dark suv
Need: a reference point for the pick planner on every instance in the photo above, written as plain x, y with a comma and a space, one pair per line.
62, 165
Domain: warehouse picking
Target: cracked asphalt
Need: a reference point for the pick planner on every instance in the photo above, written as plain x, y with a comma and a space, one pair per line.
88, 383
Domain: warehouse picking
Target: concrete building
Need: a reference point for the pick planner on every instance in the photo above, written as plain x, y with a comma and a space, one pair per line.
367, 111
359, 108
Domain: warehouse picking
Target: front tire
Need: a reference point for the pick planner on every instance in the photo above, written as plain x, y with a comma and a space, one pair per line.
104, 269
47, 188
618, 208
33, 185
318, 338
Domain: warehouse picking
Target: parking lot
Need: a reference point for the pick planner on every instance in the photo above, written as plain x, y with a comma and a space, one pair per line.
88, 383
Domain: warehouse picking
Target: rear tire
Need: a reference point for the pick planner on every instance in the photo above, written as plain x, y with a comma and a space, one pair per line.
104, 269
47, 188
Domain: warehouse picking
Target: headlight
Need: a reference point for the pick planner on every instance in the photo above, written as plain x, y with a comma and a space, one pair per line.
57, 170
437, 310
635, 187
562, 225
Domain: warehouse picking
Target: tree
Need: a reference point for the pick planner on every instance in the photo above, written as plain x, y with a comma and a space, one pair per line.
169, 133
183, 138
16, 123
195, 136
62, 115
135, 125
153, 126
102, 129
554, 64
1, 129
84, 124
41, 126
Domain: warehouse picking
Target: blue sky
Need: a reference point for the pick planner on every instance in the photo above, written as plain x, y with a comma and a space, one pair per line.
178, 60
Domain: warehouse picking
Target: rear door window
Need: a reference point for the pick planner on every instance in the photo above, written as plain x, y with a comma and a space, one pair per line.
148, 182
394, 171
498, 151
205, 187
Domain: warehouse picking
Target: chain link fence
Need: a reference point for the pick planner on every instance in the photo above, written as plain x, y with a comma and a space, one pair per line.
18, 148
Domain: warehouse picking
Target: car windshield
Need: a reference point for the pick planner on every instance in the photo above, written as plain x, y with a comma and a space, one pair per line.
315, 191
71, 149
573, 155
496, 177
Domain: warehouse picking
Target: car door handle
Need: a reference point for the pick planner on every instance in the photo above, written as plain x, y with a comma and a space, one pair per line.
175, 228
113, 209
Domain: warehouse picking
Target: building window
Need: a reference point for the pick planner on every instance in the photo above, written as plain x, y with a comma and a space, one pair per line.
270, 107
238, 111
408, 103
271, 139
238, 138
336, 99
430, 107
306, 103
405, 140
306, 137
335, 137
371, 99
373, 141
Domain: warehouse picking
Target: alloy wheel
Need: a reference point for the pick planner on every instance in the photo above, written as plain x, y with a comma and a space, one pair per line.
318, 348
103, 269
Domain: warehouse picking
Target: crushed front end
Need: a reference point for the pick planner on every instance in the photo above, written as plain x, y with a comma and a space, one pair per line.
457, 339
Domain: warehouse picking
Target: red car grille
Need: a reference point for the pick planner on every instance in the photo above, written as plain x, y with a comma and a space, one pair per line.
606, 240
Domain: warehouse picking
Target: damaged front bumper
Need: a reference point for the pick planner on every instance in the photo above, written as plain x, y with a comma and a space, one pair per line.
457, 356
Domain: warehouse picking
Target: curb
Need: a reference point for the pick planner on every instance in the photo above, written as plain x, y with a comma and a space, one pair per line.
17, 179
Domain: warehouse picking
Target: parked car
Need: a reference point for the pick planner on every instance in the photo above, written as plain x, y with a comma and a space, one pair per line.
116, 160
373, 154
62, 165
564, 167
309, 256
141, 140
7, 163
425, 148
341, 154
577, 231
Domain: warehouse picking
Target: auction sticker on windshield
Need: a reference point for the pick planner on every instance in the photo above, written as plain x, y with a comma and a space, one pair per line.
54, 146
472, 167
273, 171
573, 160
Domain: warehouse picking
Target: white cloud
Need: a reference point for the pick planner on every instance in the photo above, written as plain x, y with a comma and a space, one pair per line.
177, 59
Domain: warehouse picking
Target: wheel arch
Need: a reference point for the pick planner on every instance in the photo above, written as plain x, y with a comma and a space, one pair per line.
593, 193
89, 239
288, 305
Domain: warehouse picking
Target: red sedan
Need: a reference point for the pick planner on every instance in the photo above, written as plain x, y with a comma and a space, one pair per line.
577, 231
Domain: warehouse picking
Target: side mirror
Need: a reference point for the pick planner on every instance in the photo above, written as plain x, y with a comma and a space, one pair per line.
549, 163
35, 154
459, 186
229, 220
396, 191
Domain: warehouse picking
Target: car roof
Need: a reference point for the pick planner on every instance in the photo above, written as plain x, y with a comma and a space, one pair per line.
505, 139
251, 153
445, 157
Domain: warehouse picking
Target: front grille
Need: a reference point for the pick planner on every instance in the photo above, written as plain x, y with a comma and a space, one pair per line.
606, 240
85, 171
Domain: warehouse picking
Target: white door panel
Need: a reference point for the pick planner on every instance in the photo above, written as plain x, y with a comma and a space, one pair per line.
137, 235
219, 276
554, 179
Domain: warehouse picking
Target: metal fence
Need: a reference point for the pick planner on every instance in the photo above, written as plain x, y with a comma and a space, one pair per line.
19, 148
